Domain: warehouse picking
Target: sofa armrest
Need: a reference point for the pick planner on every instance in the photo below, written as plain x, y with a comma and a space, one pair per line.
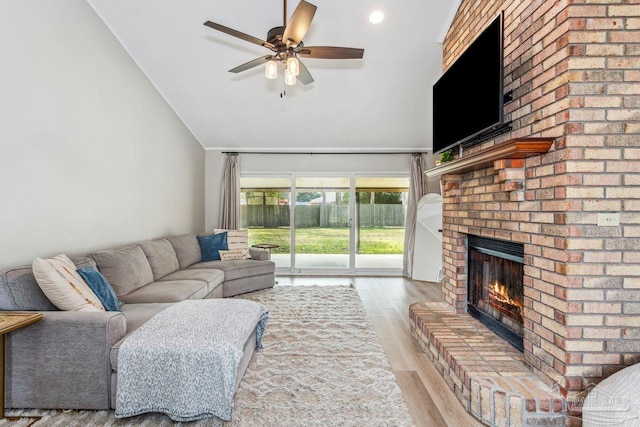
260, 254
62, 361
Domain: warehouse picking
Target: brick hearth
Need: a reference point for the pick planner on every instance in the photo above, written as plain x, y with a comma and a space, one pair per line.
573, 69
488, 376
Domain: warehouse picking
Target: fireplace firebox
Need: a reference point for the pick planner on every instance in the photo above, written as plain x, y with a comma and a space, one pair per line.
495, 286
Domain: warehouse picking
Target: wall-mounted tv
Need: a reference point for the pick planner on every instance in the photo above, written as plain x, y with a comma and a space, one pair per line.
468, 98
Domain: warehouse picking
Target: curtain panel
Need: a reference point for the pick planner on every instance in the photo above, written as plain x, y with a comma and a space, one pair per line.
417, 189
230, 194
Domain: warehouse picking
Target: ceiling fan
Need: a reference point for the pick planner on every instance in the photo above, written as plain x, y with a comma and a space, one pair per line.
286, 44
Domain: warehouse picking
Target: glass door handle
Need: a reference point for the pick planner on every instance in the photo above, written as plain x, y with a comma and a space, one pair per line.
350, 222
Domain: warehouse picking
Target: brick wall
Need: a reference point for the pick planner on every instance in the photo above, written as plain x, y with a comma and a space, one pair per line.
574, 68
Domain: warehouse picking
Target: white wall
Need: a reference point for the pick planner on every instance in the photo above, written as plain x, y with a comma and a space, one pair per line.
91, 156
308, 163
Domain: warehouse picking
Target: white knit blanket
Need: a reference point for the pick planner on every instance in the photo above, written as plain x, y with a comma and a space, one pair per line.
184, 361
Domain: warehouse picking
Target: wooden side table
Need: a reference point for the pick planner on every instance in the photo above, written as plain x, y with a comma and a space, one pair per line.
10, 321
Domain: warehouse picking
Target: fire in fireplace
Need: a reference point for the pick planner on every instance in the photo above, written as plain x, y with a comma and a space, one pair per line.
495, 286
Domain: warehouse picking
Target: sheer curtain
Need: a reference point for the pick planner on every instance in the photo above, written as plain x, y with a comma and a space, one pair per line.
230, 194
417, 189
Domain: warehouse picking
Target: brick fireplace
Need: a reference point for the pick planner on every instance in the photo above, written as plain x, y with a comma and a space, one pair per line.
574, 69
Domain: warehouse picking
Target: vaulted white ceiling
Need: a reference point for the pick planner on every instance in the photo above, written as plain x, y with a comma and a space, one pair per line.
380, 103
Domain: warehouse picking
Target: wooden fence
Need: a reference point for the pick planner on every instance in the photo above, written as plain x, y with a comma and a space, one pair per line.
307, 216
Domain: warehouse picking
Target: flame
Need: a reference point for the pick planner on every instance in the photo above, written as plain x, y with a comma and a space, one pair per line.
501, 295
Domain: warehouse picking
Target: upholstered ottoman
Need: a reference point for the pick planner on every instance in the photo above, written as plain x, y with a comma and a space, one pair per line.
187, 361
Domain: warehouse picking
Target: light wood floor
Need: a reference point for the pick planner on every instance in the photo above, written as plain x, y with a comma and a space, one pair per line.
387, 301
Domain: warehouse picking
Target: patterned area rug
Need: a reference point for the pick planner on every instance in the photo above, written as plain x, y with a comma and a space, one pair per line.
321, 365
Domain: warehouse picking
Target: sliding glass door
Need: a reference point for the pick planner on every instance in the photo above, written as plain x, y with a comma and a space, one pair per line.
265, 209
325, 223
322, 220
381, 208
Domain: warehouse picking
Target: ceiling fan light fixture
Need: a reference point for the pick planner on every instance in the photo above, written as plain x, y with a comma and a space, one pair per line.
271, 69
289, 79
286, 44
293, 66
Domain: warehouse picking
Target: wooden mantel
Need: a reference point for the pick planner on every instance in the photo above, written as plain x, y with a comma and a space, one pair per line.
518, 148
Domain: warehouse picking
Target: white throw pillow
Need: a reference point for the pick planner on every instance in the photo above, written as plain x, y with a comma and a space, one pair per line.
237, 239
240, 253
63, 285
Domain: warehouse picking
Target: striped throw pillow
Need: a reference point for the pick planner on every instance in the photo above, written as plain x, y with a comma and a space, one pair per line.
237, 239
63, 285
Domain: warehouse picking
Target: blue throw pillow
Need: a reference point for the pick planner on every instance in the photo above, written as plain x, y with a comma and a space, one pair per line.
211, 244
101, 287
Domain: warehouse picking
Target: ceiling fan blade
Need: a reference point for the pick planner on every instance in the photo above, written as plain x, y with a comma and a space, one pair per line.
330, 52
251, 64
305, 76
299, 23
240, 35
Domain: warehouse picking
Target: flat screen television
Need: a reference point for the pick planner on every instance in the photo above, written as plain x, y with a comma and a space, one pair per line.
468, 98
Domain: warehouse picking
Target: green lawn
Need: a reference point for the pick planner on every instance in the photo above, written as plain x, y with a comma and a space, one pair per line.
330, 240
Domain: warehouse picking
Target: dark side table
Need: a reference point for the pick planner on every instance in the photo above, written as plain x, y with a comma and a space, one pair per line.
10, 321
267, 246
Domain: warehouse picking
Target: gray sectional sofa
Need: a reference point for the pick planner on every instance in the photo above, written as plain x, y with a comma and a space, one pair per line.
68, 360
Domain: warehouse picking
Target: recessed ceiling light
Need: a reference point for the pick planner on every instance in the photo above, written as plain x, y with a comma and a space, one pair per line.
376, 17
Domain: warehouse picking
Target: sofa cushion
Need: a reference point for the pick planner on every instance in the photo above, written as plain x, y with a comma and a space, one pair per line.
213, 278
65, 288
19, 290
161, 256
211, 244
84, 262
167, 291
127, 269
101, 287
238, 269
187, 249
